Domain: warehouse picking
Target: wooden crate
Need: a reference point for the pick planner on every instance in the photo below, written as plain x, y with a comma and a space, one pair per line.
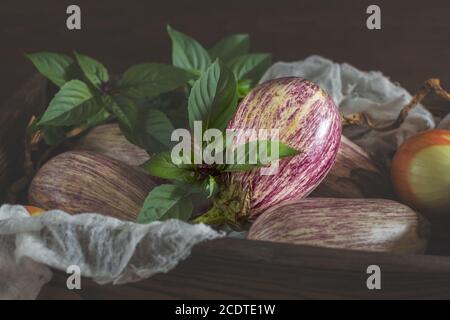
232, 268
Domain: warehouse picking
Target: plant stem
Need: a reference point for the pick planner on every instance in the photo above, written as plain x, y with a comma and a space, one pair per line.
361, 118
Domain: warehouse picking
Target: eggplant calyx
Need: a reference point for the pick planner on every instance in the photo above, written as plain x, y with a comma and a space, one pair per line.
230, 207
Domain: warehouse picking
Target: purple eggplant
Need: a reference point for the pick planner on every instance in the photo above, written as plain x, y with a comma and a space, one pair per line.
308, 120
81, 181
358, 224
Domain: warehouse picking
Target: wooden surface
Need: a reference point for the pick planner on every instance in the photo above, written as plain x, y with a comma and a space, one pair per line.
412, 46
243, 269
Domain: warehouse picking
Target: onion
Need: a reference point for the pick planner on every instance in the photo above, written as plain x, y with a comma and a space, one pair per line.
357, 224
308, 120
421, 172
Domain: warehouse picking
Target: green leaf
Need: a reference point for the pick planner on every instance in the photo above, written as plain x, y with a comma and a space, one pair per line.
187, 53
211, 186
125, 111
53, 135
258, 153
153, 131
250, 66
147, 128
100, 117
231, 47
72, 105
162, 166
213, 98
152, 79
94, 71
244, 87
154, 123
58, 68
164, 202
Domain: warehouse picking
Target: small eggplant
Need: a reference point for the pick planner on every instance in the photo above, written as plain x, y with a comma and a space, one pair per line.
357, 224
108, 140
354, 175
82, 181
308, 120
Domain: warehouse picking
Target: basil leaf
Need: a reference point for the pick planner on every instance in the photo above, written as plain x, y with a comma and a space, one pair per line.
250, 66
213, 98
187, 53
231, 47
73, 104
147, 128
99, 118
164, 202
244, 87
162, 166
250, 155
211, 186
125, 111
152, 79
53, 135
94, 71
154, 123
58, 68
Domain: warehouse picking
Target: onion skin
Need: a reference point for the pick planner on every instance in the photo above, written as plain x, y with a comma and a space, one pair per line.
107, 139
420, 172
308, 121
81, 181
354, 175
356, 224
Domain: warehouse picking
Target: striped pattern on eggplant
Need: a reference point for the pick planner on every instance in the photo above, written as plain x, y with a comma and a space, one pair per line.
356, 224
308, 121
83, 181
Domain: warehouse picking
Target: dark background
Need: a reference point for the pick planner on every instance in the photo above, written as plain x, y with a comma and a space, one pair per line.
412, 46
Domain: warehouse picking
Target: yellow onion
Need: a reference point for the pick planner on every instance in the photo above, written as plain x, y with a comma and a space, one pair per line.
421, 172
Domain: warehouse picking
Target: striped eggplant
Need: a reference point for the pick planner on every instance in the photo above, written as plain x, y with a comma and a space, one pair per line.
107, 139
308, 120
82, 181
354, 175
357, 224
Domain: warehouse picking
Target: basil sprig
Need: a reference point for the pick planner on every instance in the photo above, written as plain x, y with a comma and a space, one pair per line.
212, 100
233, 51
89, 97
218, 77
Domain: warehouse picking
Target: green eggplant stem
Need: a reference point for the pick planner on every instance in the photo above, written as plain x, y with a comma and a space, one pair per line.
213, 216
230, 207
